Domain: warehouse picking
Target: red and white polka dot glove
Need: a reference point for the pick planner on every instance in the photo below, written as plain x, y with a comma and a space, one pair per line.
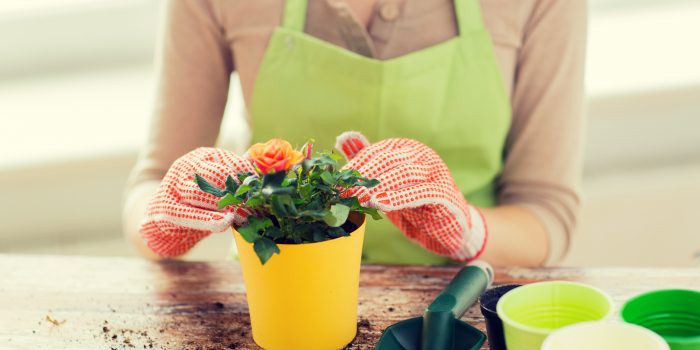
181, 214
417, 193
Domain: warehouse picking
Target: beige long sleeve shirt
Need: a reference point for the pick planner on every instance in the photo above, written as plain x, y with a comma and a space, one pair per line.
539, 45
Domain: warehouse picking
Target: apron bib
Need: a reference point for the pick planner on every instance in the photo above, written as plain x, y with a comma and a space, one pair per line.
449, 96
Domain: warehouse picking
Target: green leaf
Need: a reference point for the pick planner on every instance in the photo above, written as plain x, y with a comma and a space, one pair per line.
337, 157
260, 223
231, 185
318, 236
336, 232
273, 190
251, 231
264, 248
369, 182
305, 191
322, 188
228, 199
243, 175
254, 202
324, 159
312, 231
249, 180
316, 202
283, 206
315, 214
348, 174
351, 202
274, 179
374, 213
243, 189
306, 232
306, 165
354, 205
289, 181
207, 187
274, 232
327, 178
337, 215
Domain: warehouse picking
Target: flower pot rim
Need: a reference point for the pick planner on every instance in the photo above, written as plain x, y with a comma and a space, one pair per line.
541, 331
362, 218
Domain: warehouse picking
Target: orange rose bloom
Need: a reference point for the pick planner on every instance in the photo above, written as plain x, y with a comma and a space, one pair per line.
274, 155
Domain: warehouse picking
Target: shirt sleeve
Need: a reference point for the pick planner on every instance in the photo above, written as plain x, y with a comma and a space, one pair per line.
542, 170
194, 65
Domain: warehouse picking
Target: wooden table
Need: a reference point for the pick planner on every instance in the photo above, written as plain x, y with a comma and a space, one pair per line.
49, 302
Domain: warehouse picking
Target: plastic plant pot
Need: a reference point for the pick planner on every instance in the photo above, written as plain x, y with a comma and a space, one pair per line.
531, 312
494, 326
305, 297
604, 335
674, 314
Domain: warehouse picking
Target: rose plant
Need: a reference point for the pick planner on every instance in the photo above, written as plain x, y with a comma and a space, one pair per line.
296, 198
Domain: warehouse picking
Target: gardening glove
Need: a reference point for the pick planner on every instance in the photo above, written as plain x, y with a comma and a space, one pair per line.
181, 214
417, 193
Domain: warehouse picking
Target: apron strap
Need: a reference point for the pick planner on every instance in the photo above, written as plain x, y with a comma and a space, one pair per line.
468, 15
294, 14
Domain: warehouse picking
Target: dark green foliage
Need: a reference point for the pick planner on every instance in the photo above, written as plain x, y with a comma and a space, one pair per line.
264, 248
302, 205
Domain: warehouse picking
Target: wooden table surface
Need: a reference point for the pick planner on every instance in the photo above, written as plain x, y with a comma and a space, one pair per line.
49, 302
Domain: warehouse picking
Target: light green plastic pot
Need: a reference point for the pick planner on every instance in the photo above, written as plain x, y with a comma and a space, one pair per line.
531, 312
604, 335
672, 313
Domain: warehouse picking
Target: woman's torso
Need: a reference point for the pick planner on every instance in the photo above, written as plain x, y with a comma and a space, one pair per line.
449, 96
395, 28
204, 40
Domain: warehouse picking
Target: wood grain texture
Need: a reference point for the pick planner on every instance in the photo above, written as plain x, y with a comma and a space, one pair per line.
125, 303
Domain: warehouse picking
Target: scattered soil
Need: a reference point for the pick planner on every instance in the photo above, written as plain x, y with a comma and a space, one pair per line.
211, 325
365, 339
127, 338
364, 323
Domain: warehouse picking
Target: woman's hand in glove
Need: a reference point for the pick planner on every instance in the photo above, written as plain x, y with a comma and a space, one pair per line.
417, 193
181, 214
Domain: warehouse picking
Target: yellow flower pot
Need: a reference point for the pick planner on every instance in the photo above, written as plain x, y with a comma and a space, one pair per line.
306, 296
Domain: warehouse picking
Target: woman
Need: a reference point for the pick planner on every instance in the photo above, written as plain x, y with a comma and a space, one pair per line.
496, 89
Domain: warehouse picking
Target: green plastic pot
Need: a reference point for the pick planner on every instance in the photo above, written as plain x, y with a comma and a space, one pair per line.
531, 312
674, 314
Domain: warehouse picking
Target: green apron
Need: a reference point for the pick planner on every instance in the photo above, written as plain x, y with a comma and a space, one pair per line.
449, 96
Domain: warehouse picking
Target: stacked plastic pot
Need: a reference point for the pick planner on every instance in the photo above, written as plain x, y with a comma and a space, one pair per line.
560, 315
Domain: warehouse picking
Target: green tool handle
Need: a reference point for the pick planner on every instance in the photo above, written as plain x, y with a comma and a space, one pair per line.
452, 303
